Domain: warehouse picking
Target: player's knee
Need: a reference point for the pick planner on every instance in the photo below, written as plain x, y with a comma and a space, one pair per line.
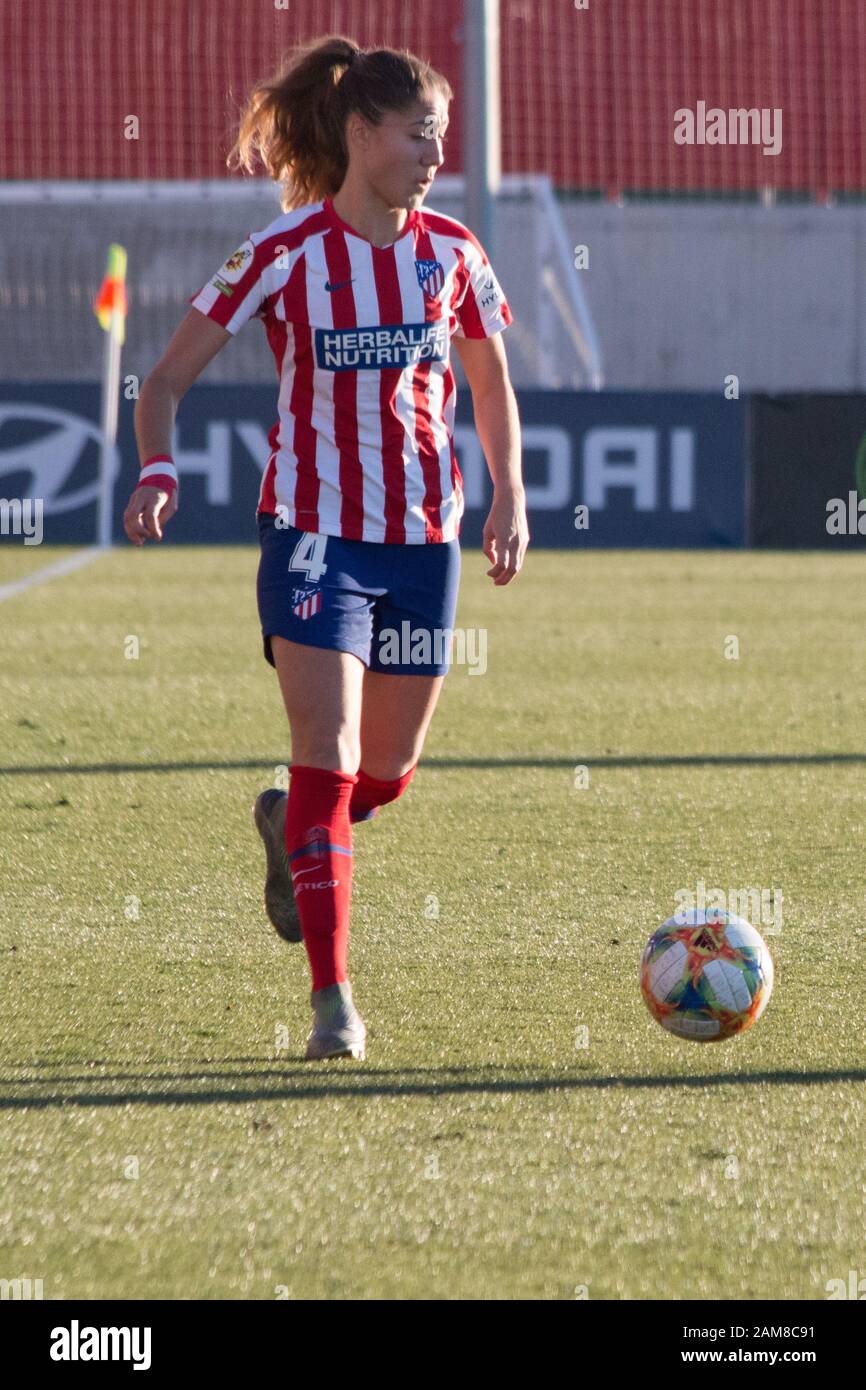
334, 751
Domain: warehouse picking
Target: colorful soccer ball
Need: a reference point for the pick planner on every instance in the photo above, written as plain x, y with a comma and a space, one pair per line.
706, 975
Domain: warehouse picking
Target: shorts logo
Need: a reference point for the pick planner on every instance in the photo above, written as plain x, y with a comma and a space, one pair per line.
307, 603
431, 276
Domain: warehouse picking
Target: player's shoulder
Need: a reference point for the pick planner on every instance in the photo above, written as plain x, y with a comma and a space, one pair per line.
291, 228
442, 224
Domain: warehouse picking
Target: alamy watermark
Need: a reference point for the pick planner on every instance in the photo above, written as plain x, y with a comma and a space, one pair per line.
854, 1287
464, 646
846, 516
22, 516
23, 1288
77, 1343
756, 905
736, 126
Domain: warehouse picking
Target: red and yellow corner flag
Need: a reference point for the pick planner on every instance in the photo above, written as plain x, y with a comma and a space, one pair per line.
112, 292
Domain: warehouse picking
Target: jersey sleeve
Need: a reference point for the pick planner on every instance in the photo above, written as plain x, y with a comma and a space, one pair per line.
237, 291
482, 309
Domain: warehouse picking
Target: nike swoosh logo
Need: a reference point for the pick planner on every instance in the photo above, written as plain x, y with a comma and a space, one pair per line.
297, 873
342, 284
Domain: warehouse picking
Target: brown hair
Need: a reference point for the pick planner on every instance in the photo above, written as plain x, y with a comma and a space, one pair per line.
295, 120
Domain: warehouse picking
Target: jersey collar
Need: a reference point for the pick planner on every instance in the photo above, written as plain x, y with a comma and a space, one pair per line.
336, 220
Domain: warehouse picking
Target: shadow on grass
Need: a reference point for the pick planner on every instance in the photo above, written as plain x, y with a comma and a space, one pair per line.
576, 759
297, 1080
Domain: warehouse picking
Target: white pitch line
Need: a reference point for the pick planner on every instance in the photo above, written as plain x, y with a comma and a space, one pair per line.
60, 567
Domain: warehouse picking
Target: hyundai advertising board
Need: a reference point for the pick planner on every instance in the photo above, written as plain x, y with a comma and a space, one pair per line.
602, 469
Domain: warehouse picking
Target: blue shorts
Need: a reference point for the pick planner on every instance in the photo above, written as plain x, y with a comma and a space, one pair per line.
392, 606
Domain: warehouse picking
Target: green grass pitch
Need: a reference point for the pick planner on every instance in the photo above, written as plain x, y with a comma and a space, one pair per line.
521, 1128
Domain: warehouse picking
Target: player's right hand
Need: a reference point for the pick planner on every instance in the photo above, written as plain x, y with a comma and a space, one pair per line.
148, 510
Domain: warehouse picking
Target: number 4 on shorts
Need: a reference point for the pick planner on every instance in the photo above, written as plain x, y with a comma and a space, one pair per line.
309, 556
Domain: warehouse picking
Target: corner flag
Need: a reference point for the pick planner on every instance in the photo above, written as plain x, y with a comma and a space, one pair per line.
112, 294
110, 308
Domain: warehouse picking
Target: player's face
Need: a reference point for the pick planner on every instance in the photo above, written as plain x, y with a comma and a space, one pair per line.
405, 152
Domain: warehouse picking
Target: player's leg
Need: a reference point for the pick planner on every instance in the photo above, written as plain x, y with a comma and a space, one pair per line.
321, 691
395, 714
305, 597
316, 626
409, 659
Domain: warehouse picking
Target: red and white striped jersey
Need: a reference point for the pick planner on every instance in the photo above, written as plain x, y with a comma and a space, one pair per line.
363, 447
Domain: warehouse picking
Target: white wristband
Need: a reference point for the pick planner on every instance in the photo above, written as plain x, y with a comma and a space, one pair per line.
158, 471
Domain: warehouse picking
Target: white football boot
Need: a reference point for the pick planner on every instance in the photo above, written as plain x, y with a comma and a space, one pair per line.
338, 1029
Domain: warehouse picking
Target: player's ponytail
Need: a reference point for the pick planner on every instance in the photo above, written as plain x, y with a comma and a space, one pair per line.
294, 121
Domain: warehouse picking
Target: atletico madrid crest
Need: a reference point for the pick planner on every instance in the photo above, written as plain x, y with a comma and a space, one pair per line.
431, 276
307, 603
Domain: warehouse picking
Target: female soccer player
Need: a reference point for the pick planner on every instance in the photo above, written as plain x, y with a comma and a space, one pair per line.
360, 291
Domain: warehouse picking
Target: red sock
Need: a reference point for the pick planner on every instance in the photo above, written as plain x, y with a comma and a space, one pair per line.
370, 792
319, 847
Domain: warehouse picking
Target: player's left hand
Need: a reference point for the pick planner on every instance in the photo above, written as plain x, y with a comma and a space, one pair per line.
506, 534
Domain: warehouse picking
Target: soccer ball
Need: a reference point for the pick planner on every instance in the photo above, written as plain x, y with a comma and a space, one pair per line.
706, 975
